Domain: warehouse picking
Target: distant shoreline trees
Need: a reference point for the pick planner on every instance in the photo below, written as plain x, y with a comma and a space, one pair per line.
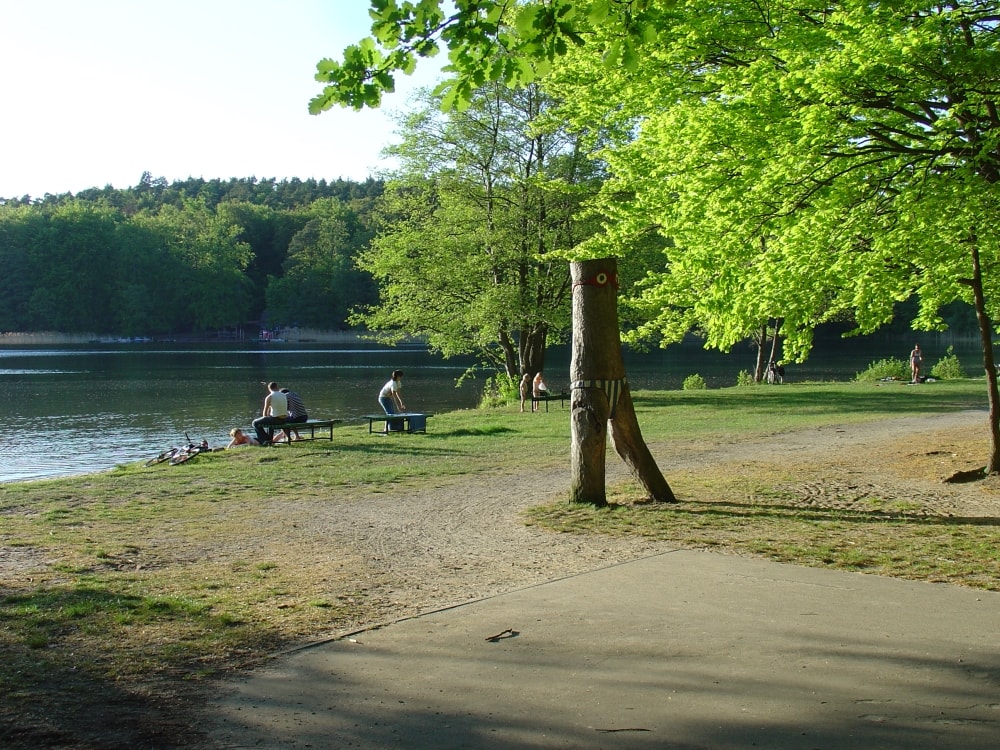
185, 257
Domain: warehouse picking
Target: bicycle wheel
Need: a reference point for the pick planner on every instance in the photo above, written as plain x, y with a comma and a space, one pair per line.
182, 456
165, 456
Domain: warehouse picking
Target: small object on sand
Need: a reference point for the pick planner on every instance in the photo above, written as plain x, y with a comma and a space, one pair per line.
508, 633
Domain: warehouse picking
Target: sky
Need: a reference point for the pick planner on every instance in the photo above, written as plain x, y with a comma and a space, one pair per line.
96, 92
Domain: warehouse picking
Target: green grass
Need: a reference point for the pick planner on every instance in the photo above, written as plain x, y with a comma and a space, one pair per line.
937, 549
762, 410
887, 538
128, 583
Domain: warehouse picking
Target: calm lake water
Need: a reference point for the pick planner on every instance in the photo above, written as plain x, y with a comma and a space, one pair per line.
93, 407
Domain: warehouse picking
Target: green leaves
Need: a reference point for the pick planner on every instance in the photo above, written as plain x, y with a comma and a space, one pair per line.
516, 43
472, 225
802, 147
799, 165
361, 79
599, 11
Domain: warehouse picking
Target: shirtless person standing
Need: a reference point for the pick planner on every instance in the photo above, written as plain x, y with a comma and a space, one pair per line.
915, 359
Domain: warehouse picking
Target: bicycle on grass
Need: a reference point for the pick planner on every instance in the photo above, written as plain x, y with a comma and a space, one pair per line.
180, 455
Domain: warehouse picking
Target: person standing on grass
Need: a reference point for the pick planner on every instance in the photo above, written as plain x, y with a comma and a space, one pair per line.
538, 390
525, 389
916, 357
390, 397
274, 412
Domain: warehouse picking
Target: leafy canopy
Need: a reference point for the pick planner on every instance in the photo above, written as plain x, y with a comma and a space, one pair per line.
803, 161
511, 42
472, 226
806, 161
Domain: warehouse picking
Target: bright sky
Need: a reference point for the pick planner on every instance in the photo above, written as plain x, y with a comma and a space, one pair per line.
96, 92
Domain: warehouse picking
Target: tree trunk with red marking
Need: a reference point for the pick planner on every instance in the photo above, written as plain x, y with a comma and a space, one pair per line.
597, 356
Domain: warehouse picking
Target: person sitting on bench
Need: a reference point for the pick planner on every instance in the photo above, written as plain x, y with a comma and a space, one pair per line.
296, 413
275, 412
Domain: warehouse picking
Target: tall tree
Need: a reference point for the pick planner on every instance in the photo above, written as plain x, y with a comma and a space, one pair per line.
472, 227
809, 163
268, 232
805, 159
601, 400
73, 263
20, 228
485, 32
151, 282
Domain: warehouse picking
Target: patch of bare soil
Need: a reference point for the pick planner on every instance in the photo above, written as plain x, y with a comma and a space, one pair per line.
465, 540
931, 466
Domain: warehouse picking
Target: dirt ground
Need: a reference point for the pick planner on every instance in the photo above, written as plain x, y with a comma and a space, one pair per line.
465, 540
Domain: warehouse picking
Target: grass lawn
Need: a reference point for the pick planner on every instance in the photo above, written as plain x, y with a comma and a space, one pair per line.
79, 606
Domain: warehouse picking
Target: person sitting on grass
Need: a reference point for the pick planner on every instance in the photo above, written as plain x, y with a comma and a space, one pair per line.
240, 438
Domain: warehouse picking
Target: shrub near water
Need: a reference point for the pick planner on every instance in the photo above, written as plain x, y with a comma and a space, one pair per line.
948, 367
499, 391
885, 369
694, 383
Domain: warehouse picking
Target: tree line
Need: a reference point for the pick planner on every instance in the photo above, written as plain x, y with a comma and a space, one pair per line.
190, 256
465, 246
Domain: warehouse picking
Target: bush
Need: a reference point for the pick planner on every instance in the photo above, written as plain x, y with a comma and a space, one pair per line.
745, 378
694, 383
948, 367
499, 391
885, 369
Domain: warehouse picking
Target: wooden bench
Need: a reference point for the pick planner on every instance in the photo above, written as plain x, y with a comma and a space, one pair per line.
411, 421
311, 426
560, 397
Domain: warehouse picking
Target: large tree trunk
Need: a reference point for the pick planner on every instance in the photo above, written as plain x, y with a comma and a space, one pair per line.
600, 391
531, 350
510, 358
775, 341
986, 333
760, 339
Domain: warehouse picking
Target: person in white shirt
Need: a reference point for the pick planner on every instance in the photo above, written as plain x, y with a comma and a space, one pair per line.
275, 412
390, 397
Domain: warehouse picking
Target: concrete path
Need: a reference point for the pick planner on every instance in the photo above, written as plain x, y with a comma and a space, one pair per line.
678, 651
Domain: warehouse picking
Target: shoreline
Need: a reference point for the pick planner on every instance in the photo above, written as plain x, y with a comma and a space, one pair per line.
290, 335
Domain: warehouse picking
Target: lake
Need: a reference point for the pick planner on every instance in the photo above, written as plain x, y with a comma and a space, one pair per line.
93, 407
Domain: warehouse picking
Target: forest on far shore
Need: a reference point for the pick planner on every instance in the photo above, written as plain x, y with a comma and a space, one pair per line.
200, 257
187, 256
